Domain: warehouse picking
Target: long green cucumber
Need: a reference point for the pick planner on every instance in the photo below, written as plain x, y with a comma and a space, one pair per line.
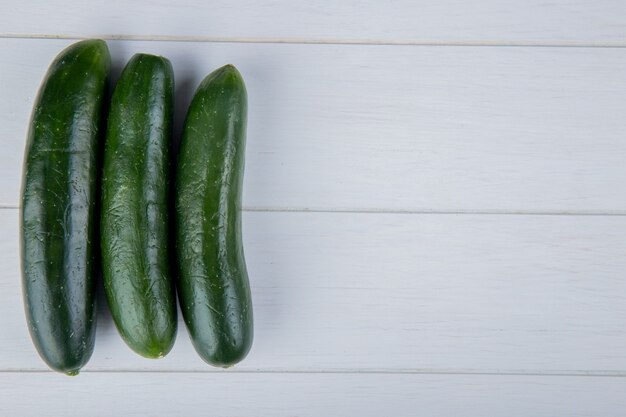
134, 224
213, 288
58, 222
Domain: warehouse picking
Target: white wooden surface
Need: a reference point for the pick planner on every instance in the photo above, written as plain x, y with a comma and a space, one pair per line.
565, 22
354, 127
401, 292
310, 395
432, 228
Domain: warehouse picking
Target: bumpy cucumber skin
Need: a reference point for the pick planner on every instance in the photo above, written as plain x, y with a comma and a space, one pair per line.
213, 286
58, 222
135, 191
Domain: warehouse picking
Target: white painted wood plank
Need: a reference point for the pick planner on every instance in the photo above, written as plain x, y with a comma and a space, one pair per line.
602, 21
402, 128
275, 395
341, 291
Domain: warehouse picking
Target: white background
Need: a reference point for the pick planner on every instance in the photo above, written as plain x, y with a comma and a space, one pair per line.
435, 207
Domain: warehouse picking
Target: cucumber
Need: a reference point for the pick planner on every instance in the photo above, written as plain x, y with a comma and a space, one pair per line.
134, 223
213, 287
58, 223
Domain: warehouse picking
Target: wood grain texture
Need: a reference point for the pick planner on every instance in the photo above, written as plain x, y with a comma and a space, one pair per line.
446, 21
302, 395
397, 292
367, 307
403, 128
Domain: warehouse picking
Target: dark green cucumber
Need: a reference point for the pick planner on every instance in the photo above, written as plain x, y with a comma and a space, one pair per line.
58, 221
135, 262
213, 289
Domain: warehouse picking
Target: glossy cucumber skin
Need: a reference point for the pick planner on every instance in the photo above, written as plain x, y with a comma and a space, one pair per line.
135, 191
58, 222
213, 286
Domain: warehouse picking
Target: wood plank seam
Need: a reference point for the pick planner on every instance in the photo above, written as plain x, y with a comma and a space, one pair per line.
360, 371
416, 212
318, 41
